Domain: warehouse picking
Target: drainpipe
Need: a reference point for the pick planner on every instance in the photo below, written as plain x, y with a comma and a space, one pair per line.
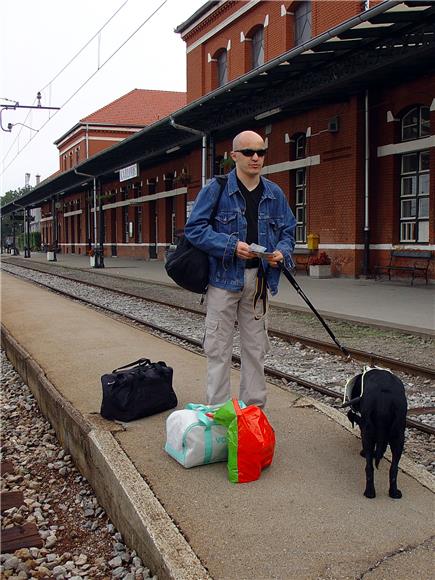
366, 186
366, 257
204, 147
99, 259
54, 228
212, 148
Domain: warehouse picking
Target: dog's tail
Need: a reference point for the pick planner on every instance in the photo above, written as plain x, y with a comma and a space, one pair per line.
387, 425
381, 420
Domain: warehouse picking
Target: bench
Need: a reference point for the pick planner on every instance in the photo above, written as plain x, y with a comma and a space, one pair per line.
417, 263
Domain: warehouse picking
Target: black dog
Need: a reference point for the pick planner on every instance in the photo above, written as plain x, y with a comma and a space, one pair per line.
378, 405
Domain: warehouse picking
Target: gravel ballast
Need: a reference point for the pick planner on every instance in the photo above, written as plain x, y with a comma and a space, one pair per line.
79, 539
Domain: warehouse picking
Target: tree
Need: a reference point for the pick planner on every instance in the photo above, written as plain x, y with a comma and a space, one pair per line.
14, 194
7, 220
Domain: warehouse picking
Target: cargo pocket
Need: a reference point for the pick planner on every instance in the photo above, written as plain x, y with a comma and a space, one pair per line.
210, 335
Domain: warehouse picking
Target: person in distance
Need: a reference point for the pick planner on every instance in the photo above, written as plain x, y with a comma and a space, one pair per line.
251, 210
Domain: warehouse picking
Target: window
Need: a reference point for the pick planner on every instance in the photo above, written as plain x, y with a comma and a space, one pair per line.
258, 47
152, 184
414, 197
126, 232
414, 179
416, 123
139, 225
302, 22
168, 179
77, 155
222, 68
300, 144
300, 190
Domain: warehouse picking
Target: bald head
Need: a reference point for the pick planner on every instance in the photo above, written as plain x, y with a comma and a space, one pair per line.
248, 139
248, 155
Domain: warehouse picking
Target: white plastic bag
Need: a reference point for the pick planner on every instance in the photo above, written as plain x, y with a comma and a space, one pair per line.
192, 438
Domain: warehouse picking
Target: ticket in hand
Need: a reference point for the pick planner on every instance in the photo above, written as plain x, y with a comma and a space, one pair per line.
260, 251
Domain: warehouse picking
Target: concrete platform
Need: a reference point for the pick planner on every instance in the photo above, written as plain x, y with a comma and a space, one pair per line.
394, 304
305, 518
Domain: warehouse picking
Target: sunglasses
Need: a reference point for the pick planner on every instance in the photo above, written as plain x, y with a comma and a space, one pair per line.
251, 152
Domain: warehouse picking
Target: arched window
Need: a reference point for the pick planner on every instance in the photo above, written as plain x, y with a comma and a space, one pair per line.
222, 67
300, 143
258, 47
415, 178
416, 123
302, 22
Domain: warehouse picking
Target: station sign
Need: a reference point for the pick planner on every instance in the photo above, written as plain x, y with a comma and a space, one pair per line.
129, 172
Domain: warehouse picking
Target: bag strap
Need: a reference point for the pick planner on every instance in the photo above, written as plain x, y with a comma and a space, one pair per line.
222, 180
260, 292
237, 407
140, 362
204, 419
203, 408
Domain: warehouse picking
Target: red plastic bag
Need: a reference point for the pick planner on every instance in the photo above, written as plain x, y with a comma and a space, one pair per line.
251, 440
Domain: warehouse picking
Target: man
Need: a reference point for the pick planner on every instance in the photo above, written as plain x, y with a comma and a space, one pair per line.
251, 209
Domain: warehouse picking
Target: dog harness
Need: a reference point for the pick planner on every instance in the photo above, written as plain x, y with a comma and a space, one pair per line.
351, 391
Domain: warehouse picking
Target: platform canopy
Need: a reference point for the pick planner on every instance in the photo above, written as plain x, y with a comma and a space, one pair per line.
393, 42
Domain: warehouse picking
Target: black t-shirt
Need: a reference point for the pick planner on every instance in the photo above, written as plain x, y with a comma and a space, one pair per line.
252, 200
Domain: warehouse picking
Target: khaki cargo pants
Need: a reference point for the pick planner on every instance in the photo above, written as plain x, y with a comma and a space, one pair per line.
223, 309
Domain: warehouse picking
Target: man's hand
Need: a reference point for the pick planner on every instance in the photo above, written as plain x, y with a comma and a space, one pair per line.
243, 252
275, 259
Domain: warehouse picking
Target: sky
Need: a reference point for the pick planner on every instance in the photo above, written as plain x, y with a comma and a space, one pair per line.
39, 39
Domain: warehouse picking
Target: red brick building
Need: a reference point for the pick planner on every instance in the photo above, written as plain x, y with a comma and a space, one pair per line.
343, 93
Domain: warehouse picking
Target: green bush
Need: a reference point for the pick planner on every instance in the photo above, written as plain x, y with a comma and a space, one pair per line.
34, 241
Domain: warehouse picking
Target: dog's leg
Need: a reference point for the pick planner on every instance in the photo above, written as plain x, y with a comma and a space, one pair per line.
368, 450
396, 452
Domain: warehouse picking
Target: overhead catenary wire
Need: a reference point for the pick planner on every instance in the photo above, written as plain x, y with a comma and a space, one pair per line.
148, 18
72, 59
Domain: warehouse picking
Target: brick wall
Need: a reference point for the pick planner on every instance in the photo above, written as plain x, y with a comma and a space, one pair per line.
278, 36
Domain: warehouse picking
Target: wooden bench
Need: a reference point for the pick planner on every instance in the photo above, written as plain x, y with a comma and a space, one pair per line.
417, 263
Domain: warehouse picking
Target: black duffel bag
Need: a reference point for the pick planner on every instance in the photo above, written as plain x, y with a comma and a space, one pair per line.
187, 265
137, 390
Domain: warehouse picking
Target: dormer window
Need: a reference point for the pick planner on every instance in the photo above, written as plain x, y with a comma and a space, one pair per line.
222, 67
302, 22
258, 47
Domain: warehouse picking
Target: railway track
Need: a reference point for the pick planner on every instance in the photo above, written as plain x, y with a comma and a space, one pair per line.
270, 371
371, 358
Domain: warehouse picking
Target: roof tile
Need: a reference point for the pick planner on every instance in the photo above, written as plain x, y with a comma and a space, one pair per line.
138, 107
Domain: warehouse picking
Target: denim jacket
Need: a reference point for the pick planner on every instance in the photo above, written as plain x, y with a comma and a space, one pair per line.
276, 224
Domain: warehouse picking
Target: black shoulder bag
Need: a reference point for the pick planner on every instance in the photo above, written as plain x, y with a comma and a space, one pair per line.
187, 265
137, 390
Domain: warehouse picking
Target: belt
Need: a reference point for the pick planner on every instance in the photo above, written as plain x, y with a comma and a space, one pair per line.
252, 263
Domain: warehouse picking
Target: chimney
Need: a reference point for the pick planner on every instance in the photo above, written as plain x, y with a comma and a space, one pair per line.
38, 179
26, 179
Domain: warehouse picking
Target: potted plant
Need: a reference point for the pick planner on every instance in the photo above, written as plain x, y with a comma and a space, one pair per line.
91, 254
320, 265
226, 165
